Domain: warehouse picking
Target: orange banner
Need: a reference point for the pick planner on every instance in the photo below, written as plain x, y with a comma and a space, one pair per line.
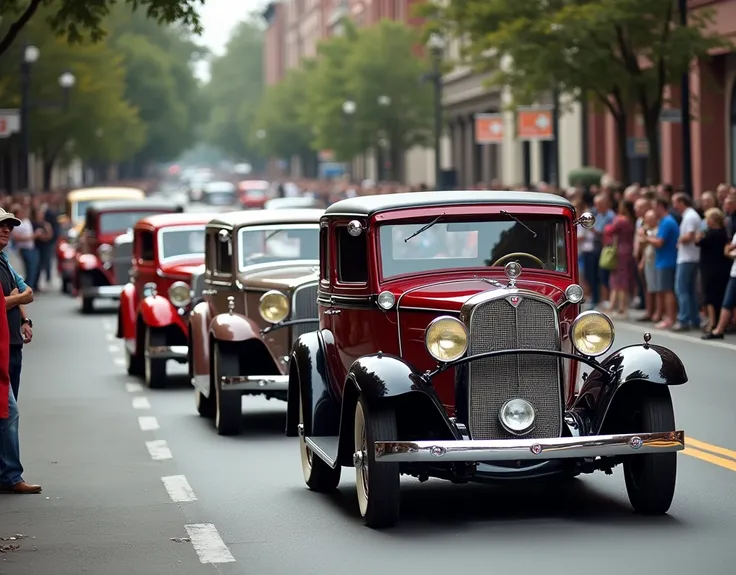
488, 128
534, 124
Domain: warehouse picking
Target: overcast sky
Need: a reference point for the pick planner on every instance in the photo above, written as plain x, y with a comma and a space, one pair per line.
219, 17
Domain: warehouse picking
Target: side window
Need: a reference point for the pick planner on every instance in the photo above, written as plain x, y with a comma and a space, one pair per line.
146, 243
223, 256
324, 254
352, 257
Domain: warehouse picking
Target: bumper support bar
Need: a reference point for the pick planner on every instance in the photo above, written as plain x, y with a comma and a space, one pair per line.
167, 352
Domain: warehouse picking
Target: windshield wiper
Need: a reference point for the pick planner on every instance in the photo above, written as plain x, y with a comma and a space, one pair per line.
518, 221
425, 227
272, 234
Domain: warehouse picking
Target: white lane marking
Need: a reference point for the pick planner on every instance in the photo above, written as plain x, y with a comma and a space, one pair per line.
110, 336
113, 348
141, 402
179, 489
680, 337
148, 423
108, 325
133, 387
159, 449
208, 544
119, 361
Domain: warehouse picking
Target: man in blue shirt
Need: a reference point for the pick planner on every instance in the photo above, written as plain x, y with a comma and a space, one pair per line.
665, 262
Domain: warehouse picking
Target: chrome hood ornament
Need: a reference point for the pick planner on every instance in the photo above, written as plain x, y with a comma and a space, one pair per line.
512, 271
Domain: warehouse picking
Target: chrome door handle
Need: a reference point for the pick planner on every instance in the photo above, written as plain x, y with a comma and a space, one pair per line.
332, 312
209, 292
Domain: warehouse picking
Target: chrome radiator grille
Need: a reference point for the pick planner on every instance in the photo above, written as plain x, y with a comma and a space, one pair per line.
122, 261
304, 304
497, 325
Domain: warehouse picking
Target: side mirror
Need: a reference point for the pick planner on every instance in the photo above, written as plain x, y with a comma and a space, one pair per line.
586, 220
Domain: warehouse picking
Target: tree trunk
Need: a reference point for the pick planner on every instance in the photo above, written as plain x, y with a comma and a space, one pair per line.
48, 169
651, 129
622, 134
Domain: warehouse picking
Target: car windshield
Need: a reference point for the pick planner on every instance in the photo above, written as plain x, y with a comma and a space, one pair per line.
181, 242
268, 244
80, 210
111, 222
474, 244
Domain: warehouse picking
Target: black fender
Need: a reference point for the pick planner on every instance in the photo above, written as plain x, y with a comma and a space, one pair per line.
309, 378
631, 370
383, 379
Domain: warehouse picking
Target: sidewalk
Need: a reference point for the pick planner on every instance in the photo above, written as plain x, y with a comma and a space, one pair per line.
694, 334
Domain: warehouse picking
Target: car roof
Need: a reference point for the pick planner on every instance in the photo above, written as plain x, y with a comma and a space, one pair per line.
134, 205
266, 217
84, 194
175, 219
369, 205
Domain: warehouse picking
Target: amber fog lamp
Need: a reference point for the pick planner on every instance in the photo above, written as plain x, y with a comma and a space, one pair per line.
179, 294
274, 306
592, 333
446, 339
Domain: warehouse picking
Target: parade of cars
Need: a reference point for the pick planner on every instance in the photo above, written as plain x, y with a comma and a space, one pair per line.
168, 249
449, 345
259, 294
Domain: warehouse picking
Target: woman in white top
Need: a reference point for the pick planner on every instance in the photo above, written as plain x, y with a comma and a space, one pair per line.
24, 241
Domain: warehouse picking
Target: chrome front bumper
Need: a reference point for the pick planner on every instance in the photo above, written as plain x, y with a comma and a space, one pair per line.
180, 352
262, 383
102, 292
528, 449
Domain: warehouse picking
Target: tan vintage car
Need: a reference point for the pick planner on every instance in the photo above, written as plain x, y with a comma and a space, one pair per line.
258, 295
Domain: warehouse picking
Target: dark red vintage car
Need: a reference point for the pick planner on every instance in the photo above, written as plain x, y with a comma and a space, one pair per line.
103, 252
449, 346
254, 193
168, 249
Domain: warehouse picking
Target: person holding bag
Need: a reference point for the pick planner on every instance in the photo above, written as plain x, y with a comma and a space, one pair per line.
618, 257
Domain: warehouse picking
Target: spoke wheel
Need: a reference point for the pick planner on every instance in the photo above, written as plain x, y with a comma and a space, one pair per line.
228, 404
154, 368
318, 475
377, 484
650, 479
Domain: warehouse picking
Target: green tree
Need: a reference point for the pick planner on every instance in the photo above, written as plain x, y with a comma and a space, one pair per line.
160, 83
97, 123
235, 90
76, 20
620, 54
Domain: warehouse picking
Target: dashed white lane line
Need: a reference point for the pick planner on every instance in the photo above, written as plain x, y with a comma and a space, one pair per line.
141, 402
148, 423
108, 325
119, 361
110, 336
159, 449
179, 489
133, 387
114, 348
208, 544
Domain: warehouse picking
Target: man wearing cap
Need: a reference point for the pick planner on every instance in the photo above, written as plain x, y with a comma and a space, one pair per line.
11, 469
17, 293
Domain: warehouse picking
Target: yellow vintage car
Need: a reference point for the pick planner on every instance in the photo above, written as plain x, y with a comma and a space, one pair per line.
72, 221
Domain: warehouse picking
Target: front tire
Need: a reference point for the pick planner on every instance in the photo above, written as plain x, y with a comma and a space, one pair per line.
88, 303
154, 368
134, 363
318, 476
377, 485
228, 404
650, 479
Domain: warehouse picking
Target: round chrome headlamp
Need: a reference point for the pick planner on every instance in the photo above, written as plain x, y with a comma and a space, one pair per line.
179, 294
274, 306
517, 416
592, 333
446, 339
105, 253
149, 289
574, 293
386, 300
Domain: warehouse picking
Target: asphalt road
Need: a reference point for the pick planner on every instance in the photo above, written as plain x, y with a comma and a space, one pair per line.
108, 505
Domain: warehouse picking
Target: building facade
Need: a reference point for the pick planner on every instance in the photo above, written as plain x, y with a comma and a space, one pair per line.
713, 124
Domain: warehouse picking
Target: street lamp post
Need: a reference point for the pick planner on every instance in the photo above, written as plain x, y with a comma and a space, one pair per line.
66, 82
348, 108
436, 45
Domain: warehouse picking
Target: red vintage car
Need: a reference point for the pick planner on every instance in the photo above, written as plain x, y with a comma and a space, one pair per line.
103, 252
254, 193
168, 249
449, 345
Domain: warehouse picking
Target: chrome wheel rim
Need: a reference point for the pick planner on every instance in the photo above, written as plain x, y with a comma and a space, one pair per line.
361, 471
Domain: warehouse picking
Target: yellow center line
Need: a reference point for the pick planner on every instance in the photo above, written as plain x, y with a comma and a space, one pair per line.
710, 458
702, 445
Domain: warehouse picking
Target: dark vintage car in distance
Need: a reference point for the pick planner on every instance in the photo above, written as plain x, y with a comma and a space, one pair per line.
104, 251
259, 293
153, 316
440, 355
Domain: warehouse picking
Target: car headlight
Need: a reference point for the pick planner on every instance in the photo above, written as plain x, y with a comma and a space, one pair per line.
517, 416
592, 333
179, 294
105, 253
446, 339
149, 289
274, 306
